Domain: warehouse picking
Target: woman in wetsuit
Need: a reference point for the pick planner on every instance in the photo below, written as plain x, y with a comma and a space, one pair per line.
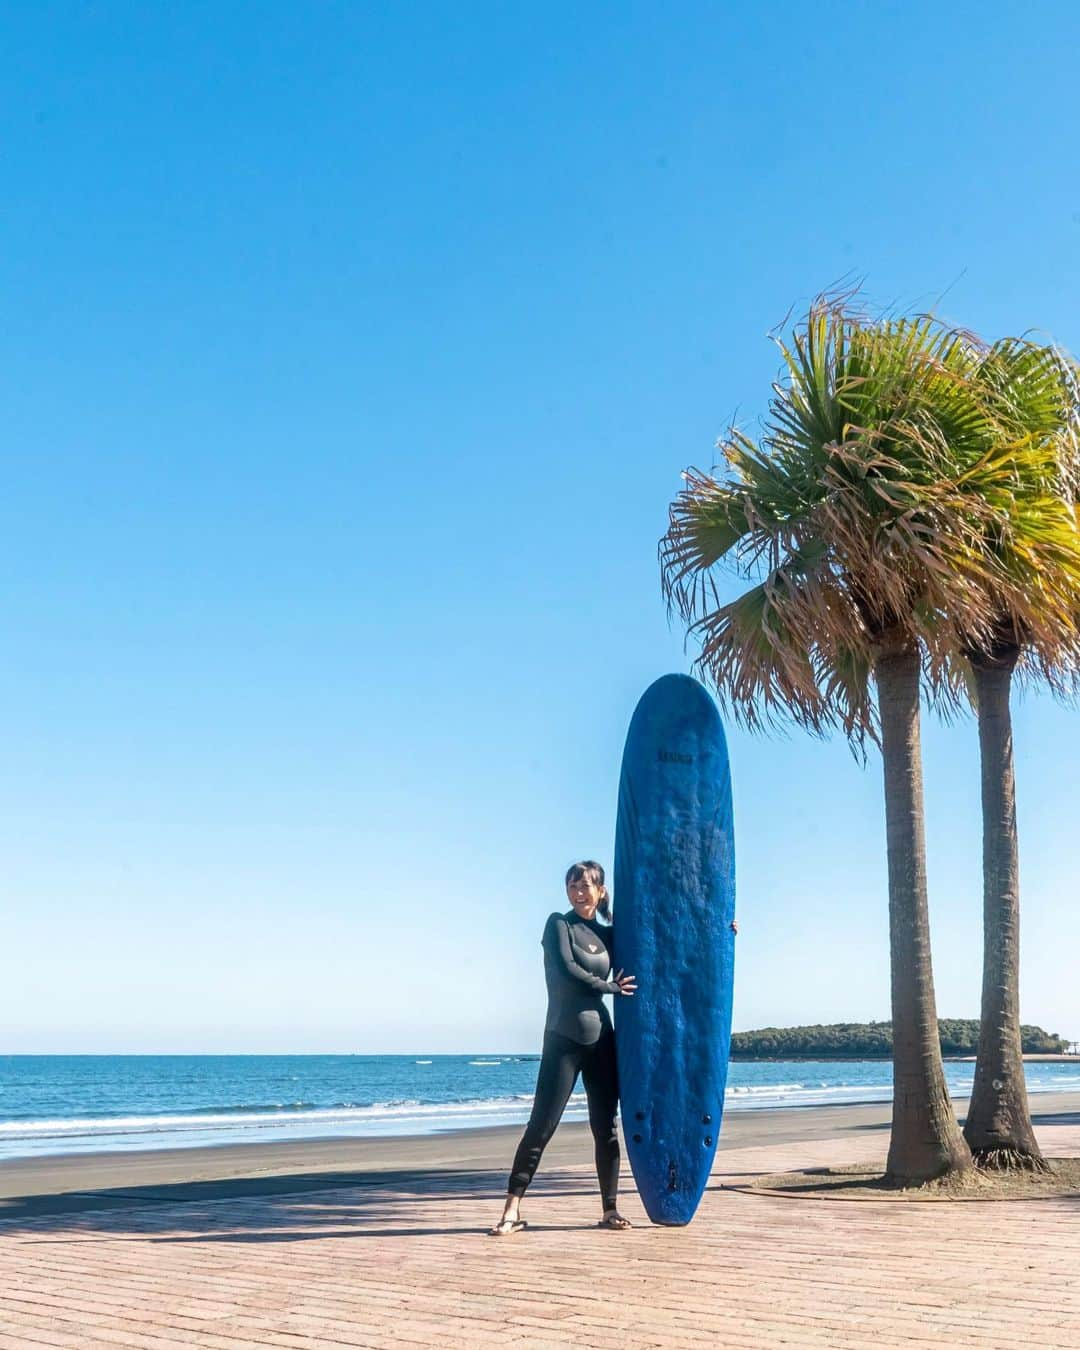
578, 1038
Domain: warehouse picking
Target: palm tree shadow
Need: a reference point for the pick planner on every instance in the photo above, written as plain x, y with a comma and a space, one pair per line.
291, 1208
1055, 1117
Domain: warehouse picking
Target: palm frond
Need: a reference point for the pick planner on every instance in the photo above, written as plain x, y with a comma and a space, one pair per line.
789, 649
908, 479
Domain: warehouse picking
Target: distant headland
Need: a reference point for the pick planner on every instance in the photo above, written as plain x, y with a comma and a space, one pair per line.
873, 1040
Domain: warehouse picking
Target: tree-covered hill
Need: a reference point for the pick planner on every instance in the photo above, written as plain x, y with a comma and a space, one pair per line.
871, 1040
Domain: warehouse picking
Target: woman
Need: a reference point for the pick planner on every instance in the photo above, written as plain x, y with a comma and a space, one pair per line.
578, 1038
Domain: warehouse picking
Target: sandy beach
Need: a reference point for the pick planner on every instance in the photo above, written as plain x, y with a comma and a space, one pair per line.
380, 1242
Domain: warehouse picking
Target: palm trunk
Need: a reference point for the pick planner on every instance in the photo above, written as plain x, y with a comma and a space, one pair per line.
926, 1140
998, 1127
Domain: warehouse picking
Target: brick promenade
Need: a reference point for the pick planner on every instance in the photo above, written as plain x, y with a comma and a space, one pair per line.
402, 1261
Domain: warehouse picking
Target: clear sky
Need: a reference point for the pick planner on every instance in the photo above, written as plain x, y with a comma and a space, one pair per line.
350, 355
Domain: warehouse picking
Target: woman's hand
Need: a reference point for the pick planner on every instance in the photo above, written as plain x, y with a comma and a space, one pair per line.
734, 925
627, 983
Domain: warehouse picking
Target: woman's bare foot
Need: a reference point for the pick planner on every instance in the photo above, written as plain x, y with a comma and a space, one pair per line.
511, 1221
507, 1227
614, 1220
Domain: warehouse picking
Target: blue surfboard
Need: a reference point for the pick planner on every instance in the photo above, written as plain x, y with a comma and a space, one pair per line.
674, 902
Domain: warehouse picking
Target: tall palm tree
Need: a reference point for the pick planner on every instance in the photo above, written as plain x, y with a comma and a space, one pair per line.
861, 515
1032, 628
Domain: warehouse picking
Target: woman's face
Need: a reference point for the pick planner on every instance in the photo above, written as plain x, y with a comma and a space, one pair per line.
584, 895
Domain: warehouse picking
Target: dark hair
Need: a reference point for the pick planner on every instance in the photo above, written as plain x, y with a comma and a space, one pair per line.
591, 871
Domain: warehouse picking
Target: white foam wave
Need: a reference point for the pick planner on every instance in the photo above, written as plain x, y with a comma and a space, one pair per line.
240, 1120
770, 1088
413, 1116
335, 1119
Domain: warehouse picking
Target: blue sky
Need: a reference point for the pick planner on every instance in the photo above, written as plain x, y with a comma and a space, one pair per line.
350, 357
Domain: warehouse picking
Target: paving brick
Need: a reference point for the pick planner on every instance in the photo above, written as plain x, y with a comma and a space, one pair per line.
374, 1266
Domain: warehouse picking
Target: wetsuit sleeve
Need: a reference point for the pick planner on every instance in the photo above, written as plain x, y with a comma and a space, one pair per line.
559, 953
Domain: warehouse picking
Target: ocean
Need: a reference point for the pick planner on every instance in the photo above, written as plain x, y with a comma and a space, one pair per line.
53, 1104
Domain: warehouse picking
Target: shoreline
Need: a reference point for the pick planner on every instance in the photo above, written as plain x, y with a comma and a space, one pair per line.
285, 1130
71, 1182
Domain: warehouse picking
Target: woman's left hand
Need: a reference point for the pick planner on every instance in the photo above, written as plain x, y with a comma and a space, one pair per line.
734, 925
627, 983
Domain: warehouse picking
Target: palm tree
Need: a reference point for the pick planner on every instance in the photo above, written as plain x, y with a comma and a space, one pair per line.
862, 516
1033, 629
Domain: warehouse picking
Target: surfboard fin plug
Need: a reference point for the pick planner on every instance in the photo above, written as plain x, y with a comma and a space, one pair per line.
672, 1177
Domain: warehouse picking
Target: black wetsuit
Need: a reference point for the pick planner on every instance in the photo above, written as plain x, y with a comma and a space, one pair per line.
578, 1038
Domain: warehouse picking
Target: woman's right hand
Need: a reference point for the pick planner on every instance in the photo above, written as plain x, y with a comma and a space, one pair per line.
627, 983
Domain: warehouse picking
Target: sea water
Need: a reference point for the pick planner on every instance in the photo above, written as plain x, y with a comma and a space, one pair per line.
88, 1103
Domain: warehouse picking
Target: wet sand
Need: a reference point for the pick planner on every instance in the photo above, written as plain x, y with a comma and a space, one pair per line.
71, 1182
